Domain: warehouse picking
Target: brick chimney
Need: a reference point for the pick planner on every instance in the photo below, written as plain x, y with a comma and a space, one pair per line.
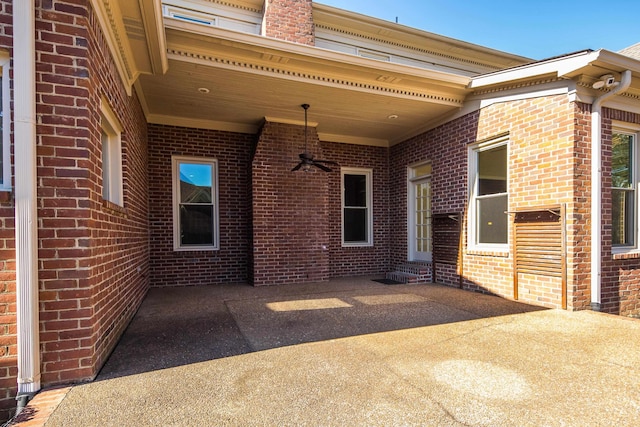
290, 20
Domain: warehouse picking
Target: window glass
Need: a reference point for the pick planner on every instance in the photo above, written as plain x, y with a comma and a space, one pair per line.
355, 190
5, 123
195, 183
105, 165
355, 225
621, 161
492, 171
422, 170
492, 220
2, 164
110, 138
622, 217
623, 197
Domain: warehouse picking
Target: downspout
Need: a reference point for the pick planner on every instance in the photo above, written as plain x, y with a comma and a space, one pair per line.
26, 221
596, 189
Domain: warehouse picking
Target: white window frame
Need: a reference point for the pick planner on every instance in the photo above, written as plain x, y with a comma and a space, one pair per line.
5, 173
368, 173
633, 130
176, 161
111, 143
472, 222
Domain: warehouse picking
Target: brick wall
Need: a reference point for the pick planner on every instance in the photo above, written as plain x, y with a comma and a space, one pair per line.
93, 255
446, 148
119, 237
579, 225
621, 272
290, 20
290, 209
358, 261
233, 152
541, 169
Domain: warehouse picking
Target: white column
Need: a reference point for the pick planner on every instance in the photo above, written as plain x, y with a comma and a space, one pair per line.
24, 97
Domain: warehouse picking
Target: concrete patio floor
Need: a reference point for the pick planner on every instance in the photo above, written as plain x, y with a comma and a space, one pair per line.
356, 352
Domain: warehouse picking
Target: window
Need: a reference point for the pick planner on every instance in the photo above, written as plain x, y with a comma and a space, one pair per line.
5, 124
488, 206
195, 204
111, 156
357, 215
623, 191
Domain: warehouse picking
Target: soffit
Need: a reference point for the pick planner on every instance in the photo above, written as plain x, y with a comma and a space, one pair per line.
251, 77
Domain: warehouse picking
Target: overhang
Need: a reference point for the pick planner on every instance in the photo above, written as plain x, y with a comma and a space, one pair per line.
228, 80
585, 68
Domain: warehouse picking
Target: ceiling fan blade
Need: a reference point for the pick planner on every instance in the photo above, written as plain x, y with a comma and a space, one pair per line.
323, 167
298, 166
329, 162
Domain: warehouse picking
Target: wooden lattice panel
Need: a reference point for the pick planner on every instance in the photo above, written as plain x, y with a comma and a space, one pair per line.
540, 245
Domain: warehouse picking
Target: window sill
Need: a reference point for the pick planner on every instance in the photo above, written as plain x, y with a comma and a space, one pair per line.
630, 254
488, 252
357, 245
196, 249
114, 208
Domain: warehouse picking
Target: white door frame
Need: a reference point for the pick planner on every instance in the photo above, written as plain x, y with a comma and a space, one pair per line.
412, 184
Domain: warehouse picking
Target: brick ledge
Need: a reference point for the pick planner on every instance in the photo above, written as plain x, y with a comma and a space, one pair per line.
5, 196
38, 411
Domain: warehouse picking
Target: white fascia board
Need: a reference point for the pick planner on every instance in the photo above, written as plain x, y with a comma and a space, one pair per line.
564, 66
154, 28
557, 67
313, 53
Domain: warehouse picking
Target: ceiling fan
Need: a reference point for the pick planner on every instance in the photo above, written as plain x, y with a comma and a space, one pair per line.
307, 162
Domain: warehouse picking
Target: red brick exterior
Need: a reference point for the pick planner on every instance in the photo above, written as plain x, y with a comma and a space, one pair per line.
290, 20
233, 152
540, 174
96, 260
549, 163
579, 231
359, 261
93, 256
290, 209
620, 273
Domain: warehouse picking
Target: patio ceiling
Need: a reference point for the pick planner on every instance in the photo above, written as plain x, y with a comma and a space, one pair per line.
220, 79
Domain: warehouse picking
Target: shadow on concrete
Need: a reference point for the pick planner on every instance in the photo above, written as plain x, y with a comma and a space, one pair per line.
185, 325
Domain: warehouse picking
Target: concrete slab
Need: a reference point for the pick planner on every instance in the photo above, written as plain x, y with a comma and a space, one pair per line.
359, 353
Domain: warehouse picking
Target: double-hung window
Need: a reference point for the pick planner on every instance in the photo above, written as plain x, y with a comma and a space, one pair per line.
111, 131
624, 198
195, 204
357, 207
5, 124
488, 221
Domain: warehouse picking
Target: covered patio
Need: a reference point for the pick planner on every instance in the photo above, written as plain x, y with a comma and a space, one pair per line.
355, 352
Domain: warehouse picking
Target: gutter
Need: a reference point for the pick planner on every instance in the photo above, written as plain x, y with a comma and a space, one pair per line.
26, 220
596, 189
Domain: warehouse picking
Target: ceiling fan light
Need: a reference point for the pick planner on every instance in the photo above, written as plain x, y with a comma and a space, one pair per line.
307, 168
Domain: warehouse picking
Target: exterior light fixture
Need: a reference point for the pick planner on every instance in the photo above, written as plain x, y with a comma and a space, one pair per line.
605, 81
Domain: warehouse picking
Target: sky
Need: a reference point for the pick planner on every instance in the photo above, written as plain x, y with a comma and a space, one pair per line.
534, 29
